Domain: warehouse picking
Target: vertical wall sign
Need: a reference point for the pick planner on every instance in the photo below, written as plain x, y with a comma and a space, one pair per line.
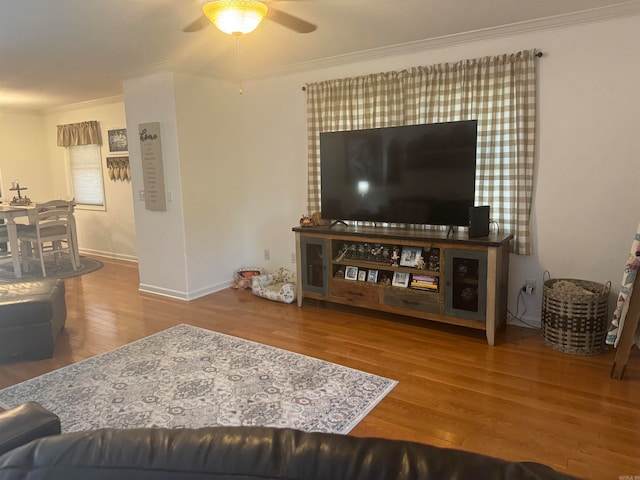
152, 171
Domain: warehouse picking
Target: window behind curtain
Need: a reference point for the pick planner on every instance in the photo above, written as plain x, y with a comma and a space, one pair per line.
86, 175
500, 92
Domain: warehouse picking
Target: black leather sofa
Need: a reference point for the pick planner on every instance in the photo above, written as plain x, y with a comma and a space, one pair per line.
31, 448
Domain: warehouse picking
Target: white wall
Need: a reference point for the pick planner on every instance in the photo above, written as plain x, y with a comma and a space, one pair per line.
586, 198
23, 155
211, 148
160, 234
109, 232
192, 248
274, 117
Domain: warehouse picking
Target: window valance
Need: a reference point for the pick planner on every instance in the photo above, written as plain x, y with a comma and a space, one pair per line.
83, 133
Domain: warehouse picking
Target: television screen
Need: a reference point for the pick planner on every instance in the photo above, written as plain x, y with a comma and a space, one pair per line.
419, 174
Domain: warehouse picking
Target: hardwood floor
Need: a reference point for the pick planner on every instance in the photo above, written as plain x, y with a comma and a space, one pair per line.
518, 400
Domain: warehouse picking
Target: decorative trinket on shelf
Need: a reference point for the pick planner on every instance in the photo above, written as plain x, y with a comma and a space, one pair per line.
420, 263
305, 221
316, 218
395, 258
434, 260
19, 200
342, 252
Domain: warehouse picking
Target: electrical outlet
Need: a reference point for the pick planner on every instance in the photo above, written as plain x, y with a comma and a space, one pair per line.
266, 254
529, 287
293, 257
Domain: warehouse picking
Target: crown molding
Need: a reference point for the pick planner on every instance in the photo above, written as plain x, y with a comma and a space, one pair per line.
88, 104
64, 108
621, 10
146, 70
159, 67
21, 111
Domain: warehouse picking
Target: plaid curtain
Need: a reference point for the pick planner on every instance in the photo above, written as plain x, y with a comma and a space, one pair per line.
499, 92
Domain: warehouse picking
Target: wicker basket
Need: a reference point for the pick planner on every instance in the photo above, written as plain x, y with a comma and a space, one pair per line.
572, 322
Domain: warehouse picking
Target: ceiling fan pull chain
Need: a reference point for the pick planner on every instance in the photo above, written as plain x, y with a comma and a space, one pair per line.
238, 70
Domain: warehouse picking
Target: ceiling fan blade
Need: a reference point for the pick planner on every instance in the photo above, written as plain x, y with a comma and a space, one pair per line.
289, 21
198, 24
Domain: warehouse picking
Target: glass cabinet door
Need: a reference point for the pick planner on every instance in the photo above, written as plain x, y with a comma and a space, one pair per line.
314, 264
465, 284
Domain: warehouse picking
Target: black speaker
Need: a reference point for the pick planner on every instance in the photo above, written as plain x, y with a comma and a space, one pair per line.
479, 221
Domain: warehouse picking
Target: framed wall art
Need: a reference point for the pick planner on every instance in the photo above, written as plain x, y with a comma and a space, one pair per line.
118, 142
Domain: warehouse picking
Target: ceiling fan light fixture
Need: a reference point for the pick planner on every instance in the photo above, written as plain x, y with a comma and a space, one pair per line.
235, 17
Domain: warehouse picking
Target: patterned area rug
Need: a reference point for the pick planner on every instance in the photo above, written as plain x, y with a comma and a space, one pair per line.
191, 377
62, 270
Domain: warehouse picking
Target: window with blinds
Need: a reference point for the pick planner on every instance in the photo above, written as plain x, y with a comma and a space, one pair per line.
86, 175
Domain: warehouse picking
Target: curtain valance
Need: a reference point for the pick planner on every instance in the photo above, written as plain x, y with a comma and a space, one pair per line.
83, 133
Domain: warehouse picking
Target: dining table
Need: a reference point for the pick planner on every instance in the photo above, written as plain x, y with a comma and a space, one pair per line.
9, 213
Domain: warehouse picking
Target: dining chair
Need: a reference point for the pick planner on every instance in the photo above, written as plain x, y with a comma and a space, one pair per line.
4, 239
50, 231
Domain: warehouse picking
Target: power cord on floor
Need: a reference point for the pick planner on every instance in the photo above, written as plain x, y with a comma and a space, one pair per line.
518, 316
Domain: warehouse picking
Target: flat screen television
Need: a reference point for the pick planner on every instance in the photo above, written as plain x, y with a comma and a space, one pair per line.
417, 174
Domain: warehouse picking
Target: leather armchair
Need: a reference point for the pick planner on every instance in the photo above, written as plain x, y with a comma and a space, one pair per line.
245, 453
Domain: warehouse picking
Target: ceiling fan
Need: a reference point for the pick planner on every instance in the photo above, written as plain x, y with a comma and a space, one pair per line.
239, 17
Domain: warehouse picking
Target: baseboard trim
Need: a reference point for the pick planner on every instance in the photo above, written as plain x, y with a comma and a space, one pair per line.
156, 290
115, 256
181, 295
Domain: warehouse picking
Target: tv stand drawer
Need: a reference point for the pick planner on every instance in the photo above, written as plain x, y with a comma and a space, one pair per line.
428, 302
355, 292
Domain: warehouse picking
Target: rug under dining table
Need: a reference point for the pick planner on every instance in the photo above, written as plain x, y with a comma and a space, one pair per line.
62, 269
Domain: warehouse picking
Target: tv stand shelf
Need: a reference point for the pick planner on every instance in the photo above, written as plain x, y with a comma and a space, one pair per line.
463, 280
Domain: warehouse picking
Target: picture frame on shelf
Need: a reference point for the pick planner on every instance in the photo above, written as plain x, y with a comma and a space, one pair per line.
400, 279
362, 275
372, 276
351, 273
410, 256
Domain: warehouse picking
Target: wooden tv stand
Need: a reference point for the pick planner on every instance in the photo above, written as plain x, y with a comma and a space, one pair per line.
464, 280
